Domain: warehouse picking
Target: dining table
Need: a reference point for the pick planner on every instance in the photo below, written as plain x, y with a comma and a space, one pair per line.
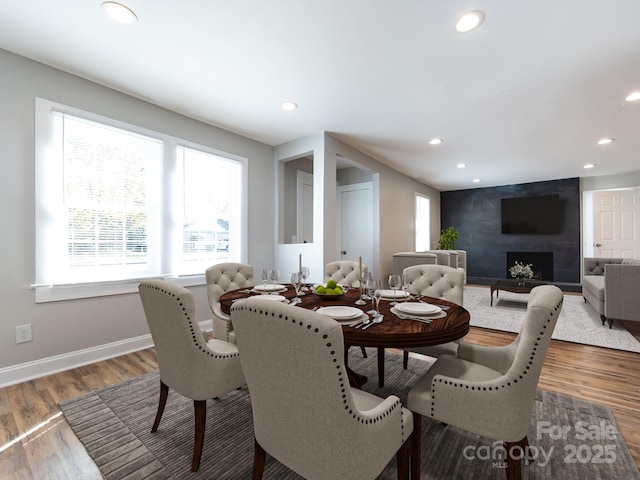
392, 332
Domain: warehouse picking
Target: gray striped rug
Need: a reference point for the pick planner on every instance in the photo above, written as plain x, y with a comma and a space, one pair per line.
114, 425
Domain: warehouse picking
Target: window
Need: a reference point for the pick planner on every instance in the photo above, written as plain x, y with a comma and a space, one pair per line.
423, 223
117, 203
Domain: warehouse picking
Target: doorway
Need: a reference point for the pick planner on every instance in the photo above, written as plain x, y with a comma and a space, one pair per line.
355, 234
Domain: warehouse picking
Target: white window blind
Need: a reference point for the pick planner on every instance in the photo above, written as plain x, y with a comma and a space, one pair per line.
211, 214
116, 203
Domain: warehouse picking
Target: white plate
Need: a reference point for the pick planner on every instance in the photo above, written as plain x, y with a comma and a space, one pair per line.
388, 294
340, 312
269, 288
416, 308
275, 298
421, 318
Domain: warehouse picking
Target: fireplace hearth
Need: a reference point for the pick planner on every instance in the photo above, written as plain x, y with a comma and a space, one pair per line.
541, 263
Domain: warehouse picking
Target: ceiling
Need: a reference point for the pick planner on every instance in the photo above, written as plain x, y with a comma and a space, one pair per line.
523, 98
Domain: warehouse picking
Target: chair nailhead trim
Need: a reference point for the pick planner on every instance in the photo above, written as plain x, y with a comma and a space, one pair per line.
198, 342
496, 388
339, 366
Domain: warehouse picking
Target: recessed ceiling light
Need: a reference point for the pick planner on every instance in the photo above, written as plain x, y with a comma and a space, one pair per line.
461, 165
476, 180
632, 97
435, 141
588, 165
470, 21
605, 141
289, 106
119, 12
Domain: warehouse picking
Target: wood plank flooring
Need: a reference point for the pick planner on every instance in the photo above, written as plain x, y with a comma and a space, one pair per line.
37, 443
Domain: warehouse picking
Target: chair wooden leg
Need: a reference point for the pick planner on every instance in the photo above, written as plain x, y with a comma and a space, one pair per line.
258, 461
402, 460
381, 367
405, 359
364, 352
416, 440
200, 414
514, 466
164, 393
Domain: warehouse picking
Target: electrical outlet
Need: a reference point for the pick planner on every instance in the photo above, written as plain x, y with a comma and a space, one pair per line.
23, 334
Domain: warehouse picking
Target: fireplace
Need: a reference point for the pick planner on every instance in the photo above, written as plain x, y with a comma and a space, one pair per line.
541, 263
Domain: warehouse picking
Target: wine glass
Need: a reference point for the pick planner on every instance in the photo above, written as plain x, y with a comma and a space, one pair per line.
274, 276
377, 295
406, 284
305, 274
372, 287
395, 282
366, 277
265, 277
296, 281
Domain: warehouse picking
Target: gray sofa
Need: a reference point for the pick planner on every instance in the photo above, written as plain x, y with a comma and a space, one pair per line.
612, 287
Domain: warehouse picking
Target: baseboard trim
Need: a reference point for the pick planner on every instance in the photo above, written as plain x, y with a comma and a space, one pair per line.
58, 363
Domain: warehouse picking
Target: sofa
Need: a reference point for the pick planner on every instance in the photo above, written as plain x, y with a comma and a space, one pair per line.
610, 286
449, 258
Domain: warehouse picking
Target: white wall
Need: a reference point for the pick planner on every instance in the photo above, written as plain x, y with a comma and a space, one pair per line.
71, 326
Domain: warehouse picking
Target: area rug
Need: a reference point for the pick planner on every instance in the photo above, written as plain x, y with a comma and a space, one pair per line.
577, 323
570, 438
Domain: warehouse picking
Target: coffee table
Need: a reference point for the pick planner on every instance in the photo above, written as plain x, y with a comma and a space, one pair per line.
513, 287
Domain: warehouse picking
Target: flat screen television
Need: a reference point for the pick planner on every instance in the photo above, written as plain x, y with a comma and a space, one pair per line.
531, 215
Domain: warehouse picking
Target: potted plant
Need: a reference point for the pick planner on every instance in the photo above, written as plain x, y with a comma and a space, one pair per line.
521, 271
448, 239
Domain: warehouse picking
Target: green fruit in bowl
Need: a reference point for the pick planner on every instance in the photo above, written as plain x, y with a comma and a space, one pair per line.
321, 290
330, 291
331, 284
338, 290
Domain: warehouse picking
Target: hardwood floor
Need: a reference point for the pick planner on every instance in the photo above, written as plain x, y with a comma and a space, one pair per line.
37, 443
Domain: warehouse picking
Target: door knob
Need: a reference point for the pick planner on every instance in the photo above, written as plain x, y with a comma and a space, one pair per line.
597, 244
343, 252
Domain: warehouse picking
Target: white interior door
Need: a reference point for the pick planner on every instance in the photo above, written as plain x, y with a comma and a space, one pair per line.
355, 222
615, 224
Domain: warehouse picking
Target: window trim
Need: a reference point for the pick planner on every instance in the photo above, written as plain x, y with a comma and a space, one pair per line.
47, 292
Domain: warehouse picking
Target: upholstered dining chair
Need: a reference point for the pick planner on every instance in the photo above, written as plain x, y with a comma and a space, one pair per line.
189, 364
305, 414
490, 391
346, 272
437, 281
220, 279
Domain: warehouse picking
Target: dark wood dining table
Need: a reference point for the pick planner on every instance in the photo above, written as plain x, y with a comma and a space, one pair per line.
393, 332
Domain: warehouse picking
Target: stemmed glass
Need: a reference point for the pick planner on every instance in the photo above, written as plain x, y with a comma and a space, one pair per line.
366, 277
305, 275
265, 277
274, 276
372, 287
377, 294
406, 283
395, 282
296, 281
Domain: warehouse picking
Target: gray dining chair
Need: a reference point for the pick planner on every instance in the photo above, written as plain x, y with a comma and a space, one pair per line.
222, 278
189, 364
305, 414
490, 391
346, 272
436, 281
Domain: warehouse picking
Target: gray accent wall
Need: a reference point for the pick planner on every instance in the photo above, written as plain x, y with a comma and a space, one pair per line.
475, 214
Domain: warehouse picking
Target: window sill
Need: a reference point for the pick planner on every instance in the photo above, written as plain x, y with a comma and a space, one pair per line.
57, 293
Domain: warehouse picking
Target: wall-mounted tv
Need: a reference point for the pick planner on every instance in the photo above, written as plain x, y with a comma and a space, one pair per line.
531, 215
